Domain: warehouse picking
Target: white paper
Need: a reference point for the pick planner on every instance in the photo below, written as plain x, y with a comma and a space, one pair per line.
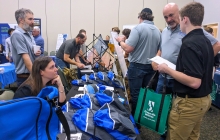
85, 71
81, 89
109, 88
160, 60
88, 67
76, 136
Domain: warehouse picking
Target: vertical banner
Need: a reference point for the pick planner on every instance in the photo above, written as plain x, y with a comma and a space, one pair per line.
60, 39
4, 31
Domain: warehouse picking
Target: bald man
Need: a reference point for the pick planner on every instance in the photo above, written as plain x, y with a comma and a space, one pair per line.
171, 43
38, 38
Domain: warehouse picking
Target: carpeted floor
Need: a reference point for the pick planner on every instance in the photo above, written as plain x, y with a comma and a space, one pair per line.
210, 128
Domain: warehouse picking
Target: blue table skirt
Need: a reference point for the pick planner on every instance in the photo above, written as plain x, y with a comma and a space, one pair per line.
9, 75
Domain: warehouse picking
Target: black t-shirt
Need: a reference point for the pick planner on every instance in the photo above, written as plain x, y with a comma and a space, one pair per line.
68, 47
195, 59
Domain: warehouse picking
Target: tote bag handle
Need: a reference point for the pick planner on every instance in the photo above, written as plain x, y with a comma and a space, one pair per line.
154, 78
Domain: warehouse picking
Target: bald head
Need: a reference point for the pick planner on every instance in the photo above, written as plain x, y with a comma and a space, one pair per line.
36, 31
171, 6
171, 15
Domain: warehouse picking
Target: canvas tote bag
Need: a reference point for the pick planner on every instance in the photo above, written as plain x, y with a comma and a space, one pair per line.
153, 108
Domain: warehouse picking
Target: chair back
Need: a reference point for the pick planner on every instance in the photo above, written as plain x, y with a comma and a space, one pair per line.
7, 94
52, 53
45, 53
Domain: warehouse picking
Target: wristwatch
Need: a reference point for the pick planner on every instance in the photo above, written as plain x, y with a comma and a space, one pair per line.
120, 43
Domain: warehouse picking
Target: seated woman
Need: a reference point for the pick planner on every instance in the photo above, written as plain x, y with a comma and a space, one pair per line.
44, 73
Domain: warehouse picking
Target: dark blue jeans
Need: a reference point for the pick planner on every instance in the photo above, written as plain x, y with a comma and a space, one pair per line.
61, 63
20, 81
138, 76
160, 83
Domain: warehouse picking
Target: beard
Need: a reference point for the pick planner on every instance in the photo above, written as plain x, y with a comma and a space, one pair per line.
28, 27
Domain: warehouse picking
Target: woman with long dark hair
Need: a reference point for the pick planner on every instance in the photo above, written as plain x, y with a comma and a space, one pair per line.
44, 73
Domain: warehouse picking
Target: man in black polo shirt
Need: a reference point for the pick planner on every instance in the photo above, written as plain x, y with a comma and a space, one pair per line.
193, 76
69, 50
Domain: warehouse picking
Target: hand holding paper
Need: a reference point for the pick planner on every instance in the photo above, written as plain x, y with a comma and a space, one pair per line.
159, 60
162, 68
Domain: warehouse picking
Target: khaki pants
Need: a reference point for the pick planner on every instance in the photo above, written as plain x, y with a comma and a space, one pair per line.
186, 116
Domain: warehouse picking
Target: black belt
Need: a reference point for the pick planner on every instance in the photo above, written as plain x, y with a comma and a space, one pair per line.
183, 95
23, 75
139, 63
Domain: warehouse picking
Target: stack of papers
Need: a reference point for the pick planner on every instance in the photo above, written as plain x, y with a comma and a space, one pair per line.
159, 60
88, 67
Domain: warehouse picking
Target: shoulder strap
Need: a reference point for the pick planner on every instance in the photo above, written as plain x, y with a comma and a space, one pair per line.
63, 122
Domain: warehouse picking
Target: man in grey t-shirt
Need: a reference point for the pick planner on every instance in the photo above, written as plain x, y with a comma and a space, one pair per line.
143, 43
22, 44
69, 50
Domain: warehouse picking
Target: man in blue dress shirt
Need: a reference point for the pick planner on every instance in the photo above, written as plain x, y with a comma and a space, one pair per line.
38, 38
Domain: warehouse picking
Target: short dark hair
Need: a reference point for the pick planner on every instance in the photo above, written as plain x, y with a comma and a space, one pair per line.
209, 30
146, 16
194, 11
10, 30
126, 32
81, 36
82, 31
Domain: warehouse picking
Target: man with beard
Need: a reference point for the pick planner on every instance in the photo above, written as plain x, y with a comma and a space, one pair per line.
69, 50
171, 44
193, 76
22, 44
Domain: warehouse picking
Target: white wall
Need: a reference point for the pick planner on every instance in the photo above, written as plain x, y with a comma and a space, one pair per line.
95, 16
82, 17
128, 12
157, 9
212, 12
7, 11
